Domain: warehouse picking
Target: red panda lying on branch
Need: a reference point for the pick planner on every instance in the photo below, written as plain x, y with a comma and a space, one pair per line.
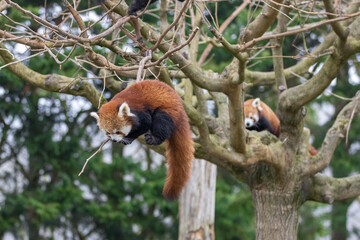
152, 108
259, 117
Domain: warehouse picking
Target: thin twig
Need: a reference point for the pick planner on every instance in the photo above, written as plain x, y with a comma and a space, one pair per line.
352, 116
55, 57
103, 90
222, 29
295, 31
170, 26
142, 64
340, 97
176, 48
101, 18
87, 160
21, 60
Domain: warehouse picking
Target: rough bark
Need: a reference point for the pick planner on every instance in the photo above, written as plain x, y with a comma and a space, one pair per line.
197, 203
276, 215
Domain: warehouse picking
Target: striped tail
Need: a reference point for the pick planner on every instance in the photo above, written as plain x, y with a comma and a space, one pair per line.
179, 155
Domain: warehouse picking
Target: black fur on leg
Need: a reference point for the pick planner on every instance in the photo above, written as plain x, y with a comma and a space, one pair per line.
127, 140
152, 140
261, 125
138, 5
162, 128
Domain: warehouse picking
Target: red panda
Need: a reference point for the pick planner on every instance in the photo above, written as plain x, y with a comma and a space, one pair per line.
259, 117
152, 108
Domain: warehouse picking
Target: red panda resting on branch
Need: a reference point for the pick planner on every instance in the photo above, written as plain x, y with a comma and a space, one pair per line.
152, 108
259, 117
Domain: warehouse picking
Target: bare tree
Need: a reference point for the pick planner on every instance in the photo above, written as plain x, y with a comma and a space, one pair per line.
280, 172
197, 203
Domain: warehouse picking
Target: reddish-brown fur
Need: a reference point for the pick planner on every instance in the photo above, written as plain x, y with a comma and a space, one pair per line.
312, 150
179, 148
271, 117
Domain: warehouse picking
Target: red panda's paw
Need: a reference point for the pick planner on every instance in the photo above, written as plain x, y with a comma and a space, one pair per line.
126, 141
151, 139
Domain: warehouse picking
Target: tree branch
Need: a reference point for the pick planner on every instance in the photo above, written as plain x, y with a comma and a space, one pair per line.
222, 28
250, 43
332, 139
236, 115
53, 82
327, 189
278, 63
66, 34
205, 79
338, 28
262, 22
264, 147
296, 97
233, 49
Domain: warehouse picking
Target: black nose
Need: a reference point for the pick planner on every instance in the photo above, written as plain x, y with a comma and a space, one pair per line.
247, 124
114, 140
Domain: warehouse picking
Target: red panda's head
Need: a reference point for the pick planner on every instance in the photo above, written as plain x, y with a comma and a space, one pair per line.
251, 110
114, 120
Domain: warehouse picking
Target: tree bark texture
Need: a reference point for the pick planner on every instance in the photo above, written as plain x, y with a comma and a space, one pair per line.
197, 203
276, 215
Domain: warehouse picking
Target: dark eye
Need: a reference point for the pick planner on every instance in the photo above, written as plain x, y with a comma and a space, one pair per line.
118, 132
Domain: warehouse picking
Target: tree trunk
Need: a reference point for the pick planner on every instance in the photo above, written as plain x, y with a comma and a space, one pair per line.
276, 215
197, 203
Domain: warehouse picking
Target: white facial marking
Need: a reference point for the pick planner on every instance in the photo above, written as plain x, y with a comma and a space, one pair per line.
126, 129
118, 135
256, 117
248, 122
251, 120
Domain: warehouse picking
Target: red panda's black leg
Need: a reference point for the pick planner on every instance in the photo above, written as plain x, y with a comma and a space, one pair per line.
136, 26
261, 125
126, 140
162, 128
141, 125
135, 6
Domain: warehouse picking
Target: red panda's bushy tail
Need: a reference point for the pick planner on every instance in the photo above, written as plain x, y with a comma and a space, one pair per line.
179, 155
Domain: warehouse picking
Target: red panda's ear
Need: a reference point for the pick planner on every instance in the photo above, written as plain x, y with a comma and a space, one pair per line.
256, 104
124, 110
95, 115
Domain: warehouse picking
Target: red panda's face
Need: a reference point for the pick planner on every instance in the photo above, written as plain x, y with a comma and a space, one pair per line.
251, 110
115, 122
251, 119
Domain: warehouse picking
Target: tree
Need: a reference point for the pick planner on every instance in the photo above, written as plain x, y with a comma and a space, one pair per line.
279, 172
